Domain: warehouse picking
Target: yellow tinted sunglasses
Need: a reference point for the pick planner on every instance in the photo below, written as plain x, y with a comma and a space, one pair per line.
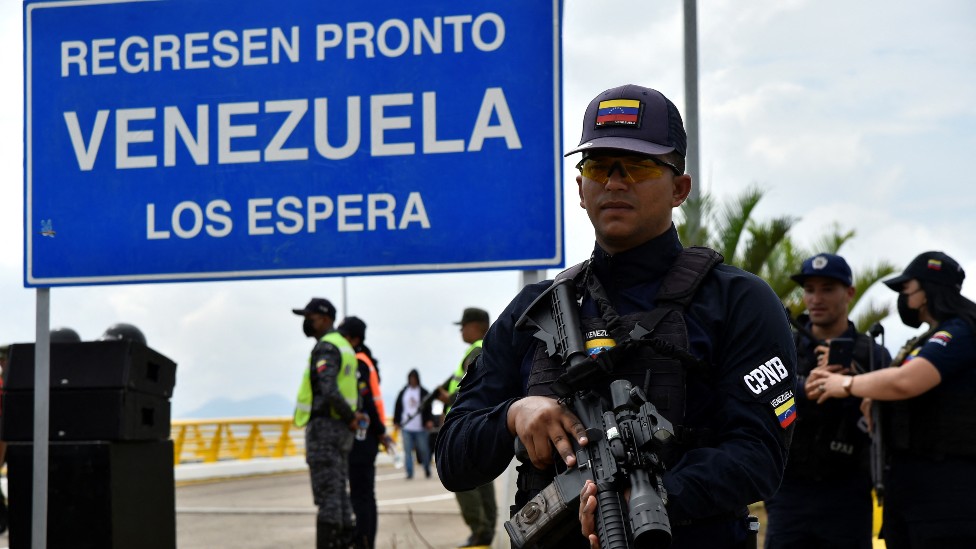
631, 169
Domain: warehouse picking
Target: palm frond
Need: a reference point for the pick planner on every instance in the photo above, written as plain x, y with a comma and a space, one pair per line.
765, 237
734, 219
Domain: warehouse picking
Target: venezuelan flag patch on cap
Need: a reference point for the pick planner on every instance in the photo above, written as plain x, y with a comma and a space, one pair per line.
935, 264
618, 112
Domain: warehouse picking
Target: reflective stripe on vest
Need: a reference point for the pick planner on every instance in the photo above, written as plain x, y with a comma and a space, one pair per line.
374, 386
346, 380
459, 373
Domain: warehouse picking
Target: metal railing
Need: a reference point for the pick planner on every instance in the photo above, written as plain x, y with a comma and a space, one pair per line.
212, 440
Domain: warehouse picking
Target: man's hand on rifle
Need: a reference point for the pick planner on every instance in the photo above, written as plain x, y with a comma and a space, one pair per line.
541, 423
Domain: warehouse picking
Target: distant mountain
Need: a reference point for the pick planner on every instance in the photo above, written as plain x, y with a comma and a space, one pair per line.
260, 406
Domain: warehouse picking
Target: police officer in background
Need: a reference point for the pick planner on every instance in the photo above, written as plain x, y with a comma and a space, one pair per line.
734, 425
827, 479
928, 410
478, 506
327, 400
362, 458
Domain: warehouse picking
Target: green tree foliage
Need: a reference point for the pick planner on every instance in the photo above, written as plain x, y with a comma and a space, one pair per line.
765, 248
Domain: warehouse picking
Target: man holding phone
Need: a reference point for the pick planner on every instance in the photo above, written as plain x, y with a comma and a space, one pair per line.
825, 498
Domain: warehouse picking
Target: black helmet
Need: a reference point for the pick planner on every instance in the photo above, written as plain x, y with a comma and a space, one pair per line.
123, 331
64, 335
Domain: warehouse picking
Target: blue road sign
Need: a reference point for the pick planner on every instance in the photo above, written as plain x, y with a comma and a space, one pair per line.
179, 140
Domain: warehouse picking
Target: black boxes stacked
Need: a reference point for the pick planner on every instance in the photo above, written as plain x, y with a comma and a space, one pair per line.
110, 482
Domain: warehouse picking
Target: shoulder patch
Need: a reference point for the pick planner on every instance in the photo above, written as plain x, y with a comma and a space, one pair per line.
768, 376
942, 338
598, 341
784, 406
911, 355
321, 365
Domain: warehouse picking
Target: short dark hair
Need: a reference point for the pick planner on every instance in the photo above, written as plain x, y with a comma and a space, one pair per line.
675, 158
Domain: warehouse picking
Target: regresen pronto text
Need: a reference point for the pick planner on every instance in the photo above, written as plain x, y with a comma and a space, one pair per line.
216, 132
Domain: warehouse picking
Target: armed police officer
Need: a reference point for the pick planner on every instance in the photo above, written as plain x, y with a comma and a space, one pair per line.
928, 403
709, 344
327, 399
827, 479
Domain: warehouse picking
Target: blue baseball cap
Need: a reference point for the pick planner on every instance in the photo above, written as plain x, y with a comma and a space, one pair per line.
635, 119
826, 266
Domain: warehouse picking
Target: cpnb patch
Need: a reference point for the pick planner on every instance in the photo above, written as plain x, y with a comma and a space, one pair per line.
784, 406
766, 376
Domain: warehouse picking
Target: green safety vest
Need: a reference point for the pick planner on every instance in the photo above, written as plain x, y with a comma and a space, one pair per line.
452, 387
346, 380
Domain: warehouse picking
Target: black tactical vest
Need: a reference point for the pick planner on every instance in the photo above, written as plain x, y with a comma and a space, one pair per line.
650, 349
936, 424
827, 441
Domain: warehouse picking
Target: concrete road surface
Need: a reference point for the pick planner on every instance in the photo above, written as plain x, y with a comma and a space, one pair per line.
277, 512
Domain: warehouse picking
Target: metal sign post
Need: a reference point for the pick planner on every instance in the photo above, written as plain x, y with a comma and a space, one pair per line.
42, 392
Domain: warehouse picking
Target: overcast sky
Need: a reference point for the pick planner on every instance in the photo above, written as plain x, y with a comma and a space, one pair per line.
855, 113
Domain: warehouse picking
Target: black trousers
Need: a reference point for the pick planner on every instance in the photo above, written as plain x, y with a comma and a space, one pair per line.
362, 488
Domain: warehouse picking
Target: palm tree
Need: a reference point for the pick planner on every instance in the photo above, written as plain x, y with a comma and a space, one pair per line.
767, 250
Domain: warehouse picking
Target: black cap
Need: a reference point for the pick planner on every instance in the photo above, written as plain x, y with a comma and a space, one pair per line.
318, 305
353, 326
934, 267
64, 335
122, 331
632, 118
825, 265
473, 314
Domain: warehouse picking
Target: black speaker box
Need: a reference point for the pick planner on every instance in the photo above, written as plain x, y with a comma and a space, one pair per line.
101, 495
89, 414
121, 364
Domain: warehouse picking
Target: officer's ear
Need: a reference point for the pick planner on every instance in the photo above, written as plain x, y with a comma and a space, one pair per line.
579, 184
680, 189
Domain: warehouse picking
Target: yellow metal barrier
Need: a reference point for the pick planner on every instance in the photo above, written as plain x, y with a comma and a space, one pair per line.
211, 440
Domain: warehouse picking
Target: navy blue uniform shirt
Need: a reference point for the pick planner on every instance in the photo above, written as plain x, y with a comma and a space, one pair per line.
939, 491
736, 324
828, 477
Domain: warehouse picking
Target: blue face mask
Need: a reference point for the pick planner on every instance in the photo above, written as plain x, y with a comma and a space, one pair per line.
909, 316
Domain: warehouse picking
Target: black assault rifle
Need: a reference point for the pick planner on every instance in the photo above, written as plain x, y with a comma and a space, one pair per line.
624, 437
877, 440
